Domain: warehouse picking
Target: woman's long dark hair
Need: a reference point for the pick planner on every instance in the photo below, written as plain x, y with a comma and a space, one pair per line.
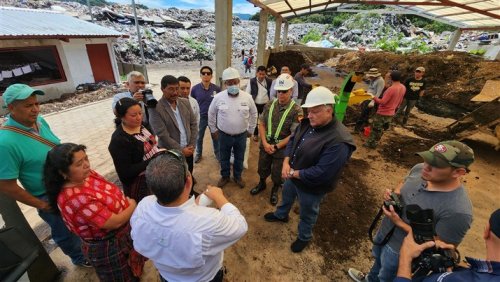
122, 107
58, 161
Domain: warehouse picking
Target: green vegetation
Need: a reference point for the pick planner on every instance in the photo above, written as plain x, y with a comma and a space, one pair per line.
431, 25
199, 47
311, 35
479, 52
393, 44
148, 34
360, 21
256, 17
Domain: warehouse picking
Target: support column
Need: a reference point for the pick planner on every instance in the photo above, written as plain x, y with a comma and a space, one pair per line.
277, 33
284, 40
223, 37
261, 44
454, 39
43, 268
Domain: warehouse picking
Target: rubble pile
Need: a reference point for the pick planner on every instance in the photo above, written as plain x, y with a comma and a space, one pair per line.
171, 34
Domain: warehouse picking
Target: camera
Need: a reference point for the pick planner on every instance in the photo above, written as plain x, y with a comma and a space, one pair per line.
149, 99
431, 260
394, 201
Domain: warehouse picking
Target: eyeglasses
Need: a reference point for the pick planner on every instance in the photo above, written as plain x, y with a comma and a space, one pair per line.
177, 155
205, 73
282, 91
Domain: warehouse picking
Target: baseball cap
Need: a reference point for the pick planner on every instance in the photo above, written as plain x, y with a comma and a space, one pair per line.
421, 69
495, 223
283, 82
19, 91
449, 153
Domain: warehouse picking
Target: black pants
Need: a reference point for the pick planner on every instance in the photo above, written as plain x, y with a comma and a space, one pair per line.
217, 278
260, 109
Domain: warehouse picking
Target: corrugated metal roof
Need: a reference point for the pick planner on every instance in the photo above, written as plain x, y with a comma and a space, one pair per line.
464, 14
28, 23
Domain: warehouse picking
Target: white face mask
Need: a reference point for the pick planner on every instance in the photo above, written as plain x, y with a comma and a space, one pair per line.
233, 89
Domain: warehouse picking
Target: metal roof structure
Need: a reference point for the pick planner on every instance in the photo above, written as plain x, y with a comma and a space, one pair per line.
17, 23
464, 14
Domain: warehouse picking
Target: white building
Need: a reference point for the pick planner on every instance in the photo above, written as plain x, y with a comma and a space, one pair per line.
53, 52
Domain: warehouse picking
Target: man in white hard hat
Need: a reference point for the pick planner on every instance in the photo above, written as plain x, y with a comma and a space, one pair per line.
232, 117
279, 119
315, 155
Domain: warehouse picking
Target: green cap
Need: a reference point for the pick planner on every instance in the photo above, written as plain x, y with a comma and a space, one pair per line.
19, 91
449, 153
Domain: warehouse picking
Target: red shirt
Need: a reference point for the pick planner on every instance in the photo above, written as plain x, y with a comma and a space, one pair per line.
86, 208
391, 100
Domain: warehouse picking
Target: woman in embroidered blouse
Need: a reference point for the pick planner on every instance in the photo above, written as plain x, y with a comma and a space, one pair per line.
94, 209
132, 146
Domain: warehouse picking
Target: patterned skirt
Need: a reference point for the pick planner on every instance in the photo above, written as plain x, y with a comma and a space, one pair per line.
138, 189
114, 257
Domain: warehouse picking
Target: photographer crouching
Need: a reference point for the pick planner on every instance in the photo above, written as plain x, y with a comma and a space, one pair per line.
432, 185
479, 270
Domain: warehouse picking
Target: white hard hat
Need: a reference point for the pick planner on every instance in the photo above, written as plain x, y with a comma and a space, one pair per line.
283, 82
319, 96
230, 73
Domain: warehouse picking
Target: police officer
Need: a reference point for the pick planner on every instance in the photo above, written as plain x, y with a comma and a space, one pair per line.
279, 119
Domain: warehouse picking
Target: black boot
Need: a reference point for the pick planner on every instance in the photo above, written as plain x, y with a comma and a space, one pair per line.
274, 195
261, 186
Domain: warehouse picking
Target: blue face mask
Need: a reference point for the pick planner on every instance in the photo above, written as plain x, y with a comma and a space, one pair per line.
233, 90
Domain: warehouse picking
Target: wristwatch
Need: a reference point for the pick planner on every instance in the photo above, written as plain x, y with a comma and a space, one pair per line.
276, 147
291, 172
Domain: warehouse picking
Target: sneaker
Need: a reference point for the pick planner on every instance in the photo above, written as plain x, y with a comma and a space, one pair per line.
298, 245
270, 217
197, 159
222, 181
356, 275
85, 263
240, 182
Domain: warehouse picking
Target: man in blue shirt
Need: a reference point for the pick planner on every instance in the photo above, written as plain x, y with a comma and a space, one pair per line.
314, 157
204, 93
480, 270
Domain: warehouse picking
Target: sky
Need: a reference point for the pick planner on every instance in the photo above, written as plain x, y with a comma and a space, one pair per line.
239, 6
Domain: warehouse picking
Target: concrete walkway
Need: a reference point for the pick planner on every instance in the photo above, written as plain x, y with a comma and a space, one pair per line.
92, 125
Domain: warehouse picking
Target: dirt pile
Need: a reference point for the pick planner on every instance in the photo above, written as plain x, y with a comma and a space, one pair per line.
293, 59
453, 77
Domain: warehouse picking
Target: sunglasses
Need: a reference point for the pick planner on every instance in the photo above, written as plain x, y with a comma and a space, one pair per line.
177, 155
206, 73
282, 91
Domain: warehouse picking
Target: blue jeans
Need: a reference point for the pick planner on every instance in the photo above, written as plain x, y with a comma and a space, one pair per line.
238, 144
69, 243
201, 134
309, 208
385, 267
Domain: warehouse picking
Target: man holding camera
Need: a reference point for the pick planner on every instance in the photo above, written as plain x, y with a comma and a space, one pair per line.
479, 270
174, 121
434, 184
136, 84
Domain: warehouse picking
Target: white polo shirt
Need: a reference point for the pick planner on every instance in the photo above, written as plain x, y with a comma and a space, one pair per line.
232, 114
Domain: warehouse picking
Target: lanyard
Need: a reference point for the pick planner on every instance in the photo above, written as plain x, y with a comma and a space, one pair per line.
282, 121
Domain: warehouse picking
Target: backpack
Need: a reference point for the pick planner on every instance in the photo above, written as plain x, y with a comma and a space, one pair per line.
250, 61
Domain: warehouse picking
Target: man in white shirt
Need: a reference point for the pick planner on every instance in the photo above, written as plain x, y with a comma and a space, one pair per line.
259, 87
295, 88
185, 241
184, 91
232, 118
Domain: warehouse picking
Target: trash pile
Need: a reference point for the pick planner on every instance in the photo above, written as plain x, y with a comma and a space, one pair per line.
171, 34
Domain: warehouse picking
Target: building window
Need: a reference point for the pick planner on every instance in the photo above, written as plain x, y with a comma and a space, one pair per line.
31, 65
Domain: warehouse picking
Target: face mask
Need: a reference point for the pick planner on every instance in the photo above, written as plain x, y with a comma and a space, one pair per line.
233, 89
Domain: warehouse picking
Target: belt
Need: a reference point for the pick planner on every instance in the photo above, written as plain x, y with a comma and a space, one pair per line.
232, 135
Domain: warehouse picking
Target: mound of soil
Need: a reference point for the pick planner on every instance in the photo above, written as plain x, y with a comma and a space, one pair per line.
343, 222
402, 151
453, 78
292, 59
